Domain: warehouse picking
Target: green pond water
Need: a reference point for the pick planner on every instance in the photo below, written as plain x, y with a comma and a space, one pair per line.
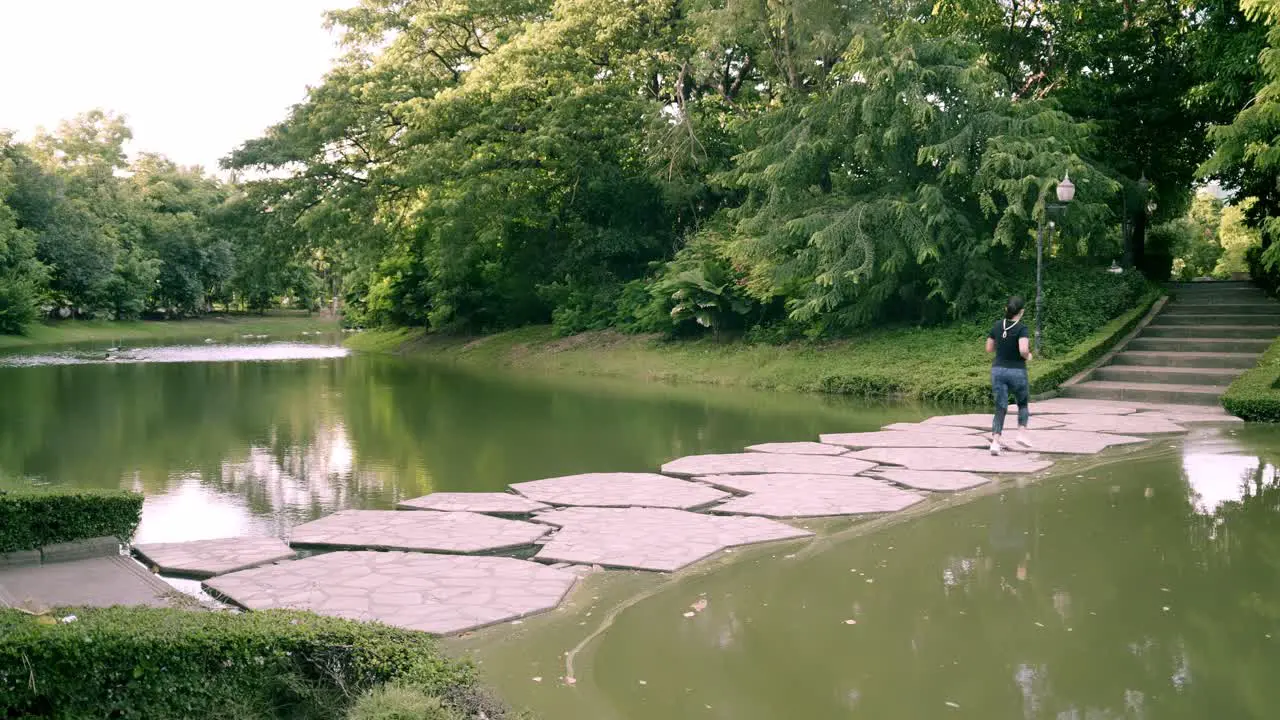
1144, 583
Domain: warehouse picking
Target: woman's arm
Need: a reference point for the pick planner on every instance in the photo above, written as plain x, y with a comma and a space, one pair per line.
1024, 347
991, 345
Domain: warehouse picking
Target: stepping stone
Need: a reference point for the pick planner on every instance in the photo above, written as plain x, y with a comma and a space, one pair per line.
1190, 414
793, 496
1075, 442
756, 463
982, 421
661, 539
438, 594
799, 448
426, 531
488, 503
954, 459
899, 438
1074, 406
932, 480
620, 490
1140, 424
206, 558
936, 427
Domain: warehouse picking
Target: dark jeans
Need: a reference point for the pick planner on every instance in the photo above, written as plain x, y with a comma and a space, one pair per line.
1005, 382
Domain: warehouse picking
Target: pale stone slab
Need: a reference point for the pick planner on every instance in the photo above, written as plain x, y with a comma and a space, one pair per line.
761, 463
206, 558
1140, 424
794, 496
660, 539
962, 459
1069, 442
932, 480
619, 490
438, 594
936, 427
799, 448
907, 438
982, 421
1072, 406
426, 531
487, 503
1189, 414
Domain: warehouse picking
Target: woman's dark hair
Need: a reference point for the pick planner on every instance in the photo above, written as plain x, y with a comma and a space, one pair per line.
1013, 307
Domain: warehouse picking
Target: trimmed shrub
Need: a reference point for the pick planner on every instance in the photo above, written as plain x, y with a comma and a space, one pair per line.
159, 663
400, 702
1255, 395
32, 518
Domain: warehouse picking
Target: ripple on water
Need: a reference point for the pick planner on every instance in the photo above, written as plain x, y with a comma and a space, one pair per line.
263, 352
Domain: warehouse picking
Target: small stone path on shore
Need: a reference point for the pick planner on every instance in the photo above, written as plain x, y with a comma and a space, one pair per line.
447, 563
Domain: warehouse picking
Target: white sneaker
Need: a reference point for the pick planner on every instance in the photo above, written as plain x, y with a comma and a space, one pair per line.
1023, 440
995, 447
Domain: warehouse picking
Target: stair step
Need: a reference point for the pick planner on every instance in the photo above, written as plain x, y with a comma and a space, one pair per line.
1169, 375
1241, 360
1214, 307
1146, 392
1258, 332
1199, 344
1183, 318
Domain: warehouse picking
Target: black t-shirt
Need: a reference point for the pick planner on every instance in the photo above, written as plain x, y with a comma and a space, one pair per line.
1006, 337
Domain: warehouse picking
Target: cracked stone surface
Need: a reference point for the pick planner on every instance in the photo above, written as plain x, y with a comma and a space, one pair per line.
936, 427
662, 539
1076, 442
793, 495
619, 490
756, 463
982, 421
426, 531
905, 438
488, 503
1139, 424
932, 480
799, 448
439, 594
955, 459
206, 558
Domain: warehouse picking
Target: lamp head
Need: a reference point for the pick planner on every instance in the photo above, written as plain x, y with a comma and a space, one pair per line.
1066, 189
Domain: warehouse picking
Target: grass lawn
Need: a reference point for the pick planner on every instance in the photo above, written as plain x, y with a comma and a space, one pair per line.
215, 326
945, 364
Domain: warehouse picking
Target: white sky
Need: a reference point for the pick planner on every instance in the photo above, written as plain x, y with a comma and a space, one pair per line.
194, 78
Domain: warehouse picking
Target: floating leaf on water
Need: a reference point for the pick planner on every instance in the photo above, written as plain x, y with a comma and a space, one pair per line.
851, 622
644, 682
690, 614
1039, 624
537, 678
953, 705
870, 580
1165, 608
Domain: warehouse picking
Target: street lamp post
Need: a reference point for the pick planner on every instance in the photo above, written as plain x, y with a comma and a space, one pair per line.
1066, 191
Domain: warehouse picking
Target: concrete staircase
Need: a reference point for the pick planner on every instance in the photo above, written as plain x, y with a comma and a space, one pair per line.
1206, 335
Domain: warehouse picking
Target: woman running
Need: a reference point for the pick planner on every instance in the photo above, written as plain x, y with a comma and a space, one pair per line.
1011, 343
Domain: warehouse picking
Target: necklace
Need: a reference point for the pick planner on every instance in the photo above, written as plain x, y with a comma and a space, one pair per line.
1006, 328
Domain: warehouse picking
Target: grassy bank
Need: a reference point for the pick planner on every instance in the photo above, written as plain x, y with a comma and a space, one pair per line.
215, 326
1255, 395
945, 364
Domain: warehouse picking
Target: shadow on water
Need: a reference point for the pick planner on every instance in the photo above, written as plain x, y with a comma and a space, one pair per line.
1147, 586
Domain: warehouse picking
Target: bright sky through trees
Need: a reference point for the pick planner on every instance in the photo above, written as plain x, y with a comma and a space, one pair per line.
195, 79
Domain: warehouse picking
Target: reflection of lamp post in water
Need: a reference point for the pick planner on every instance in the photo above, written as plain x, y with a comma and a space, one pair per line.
1066, 191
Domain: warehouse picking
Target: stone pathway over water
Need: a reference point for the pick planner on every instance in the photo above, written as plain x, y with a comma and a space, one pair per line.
559, 528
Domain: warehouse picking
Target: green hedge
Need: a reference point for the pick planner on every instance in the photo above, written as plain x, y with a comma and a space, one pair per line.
157, 663
32, 518
1255, 395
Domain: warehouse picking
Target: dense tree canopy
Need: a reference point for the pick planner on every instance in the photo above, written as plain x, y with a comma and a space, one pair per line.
807, 166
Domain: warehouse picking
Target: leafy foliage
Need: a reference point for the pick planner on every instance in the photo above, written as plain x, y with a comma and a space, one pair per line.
154, 663
30, 519
1255, 395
